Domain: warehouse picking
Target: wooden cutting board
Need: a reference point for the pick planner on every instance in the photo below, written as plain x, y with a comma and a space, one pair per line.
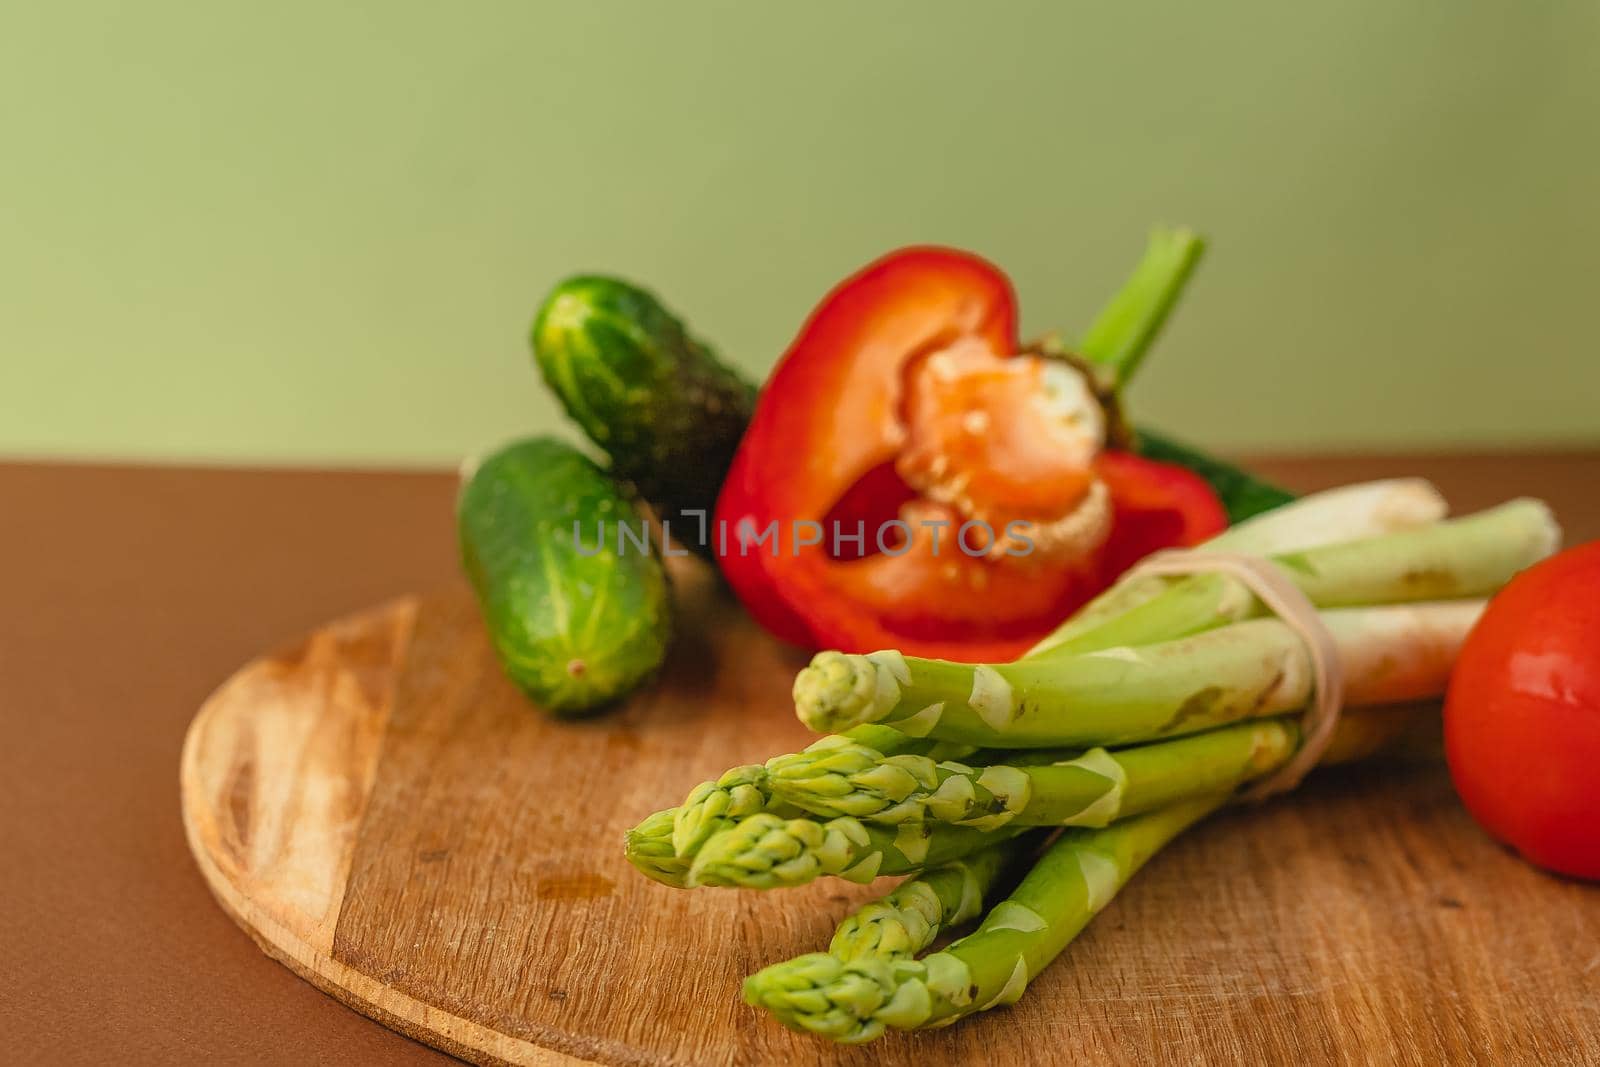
387, 817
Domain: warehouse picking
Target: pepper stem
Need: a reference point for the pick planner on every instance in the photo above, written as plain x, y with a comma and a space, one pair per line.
1127, 326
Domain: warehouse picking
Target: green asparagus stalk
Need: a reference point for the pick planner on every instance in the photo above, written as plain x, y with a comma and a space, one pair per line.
1465, 557
1125, 695
856, 1000
854, 780
715, 805
815, 995
765, 851
1092, 789
909, 919
741, 791
1350, 513
1468, 557
648, 847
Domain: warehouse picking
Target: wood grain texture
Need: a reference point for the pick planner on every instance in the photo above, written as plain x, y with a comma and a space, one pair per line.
122, 953
389, 818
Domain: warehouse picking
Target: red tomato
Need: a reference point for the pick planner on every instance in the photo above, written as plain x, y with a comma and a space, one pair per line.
1522, 719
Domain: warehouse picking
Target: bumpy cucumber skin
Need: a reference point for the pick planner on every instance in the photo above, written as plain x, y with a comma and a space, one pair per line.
666, 411
574, 632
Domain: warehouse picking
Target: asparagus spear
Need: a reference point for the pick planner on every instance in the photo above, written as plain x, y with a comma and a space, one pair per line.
716, 805
1467, 557
1350, 513
1092, 789
854, 1003
856, 1000
851, 779
765, 851
1124, 695
648, 847
1464, 557
910, 918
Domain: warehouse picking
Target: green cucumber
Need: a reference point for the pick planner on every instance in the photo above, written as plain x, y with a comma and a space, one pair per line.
578, 614
666, 411
1242, 493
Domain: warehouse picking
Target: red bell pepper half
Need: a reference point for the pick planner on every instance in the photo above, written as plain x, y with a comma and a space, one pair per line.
912, 479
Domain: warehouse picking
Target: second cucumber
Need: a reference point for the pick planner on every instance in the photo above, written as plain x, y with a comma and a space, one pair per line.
658, 401
578, 613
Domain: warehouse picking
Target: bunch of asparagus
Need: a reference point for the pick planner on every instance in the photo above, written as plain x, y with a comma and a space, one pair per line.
1060, 774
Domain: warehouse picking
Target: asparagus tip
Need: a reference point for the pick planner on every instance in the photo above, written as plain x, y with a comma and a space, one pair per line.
839, 691
819, 994
744, 854
764, 851
648, 847
739, 792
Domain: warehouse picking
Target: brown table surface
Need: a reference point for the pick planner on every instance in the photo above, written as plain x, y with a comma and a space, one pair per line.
127, 594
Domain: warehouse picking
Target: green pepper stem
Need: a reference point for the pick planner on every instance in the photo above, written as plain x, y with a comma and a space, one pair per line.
1125, 329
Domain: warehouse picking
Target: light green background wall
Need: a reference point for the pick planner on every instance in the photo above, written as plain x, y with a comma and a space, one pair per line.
317, 230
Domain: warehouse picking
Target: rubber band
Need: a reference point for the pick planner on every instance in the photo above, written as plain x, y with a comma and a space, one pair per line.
1286, 600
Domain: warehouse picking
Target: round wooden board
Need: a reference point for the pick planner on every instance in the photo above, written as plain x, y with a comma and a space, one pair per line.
385, 815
